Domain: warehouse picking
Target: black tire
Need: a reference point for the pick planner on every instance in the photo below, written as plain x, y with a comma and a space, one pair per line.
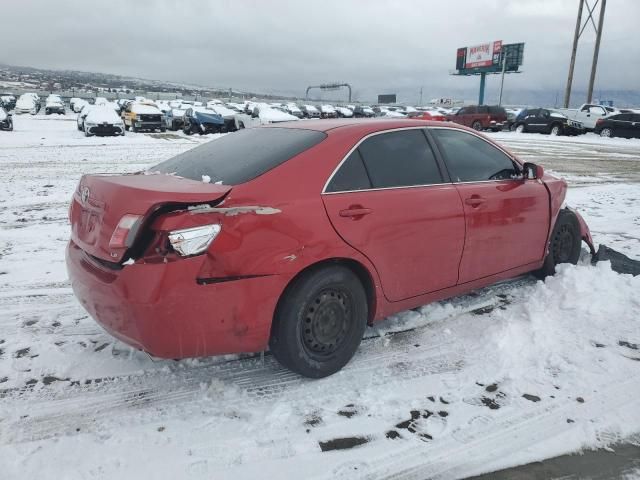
564, 245
163, 129
126, 127
133, 128
477, 125
607, 132
319, 322
555, 130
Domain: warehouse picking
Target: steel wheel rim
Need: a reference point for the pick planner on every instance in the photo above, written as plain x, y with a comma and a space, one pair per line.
326, 321
520, 128
563, 244
606, 132
555, 131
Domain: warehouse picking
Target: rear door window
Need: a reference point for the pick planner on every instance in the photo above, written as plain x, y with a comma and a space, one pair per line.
351, 176
400, 158
241, 156
472, 159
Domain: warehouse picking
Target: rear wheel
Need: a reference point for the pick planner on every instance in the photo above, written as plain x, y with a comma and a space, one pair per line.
319, 322
556, 130
564, 245
606, 132
477, 125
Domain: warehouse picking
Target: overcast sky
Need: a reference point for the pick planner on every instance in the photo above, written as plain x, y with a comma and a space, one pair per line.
282, 46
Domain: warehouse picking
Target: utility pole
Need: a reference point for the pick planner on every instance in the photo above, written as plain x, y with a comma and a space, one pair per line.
420, 96
596, 50
578, 33
574, 49
504, 67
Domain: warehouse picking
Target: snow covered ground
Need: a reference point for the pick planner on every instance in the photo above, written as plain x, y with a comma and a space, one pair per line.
521, 371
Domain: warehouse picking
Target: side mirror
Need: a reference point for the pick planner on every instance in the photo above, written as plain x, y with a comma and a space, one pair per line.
531, 171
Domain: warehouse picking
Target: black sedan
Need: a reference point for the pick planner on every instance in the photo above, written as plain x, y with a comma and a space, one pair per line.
625, 125
541, 120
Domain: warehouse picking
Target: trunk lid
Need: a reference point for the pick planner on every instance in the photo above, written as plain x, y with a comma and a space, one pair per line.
100, 202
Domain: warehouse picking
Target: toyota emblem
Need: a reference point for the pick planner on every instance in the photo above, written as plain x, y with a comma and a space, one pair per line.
84, 194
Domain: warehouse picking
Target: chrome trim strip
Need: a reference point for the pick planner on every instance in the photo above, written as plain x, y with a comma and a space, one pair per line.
324, 189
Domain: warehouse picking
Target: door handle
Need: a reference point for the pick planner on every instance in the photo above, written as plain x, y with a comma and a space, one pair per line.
474, 200
355, 212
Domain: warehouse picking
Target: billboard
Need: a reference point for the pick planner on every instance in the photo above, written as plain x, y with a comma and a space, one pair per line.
388, 98
489, 57
483, 55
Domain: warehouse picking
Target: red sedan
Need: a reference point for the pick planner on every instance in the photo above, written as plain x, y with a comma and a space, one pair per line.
294, 237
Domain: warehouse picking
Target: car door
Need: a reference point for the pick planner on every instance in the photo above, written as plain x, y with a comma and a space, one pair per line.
506, 217
532, 120
389, 200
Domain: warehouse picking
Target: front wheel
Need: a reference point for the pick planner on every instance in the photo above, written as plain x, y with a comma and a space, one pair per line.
520, 128
564, 245
319, 322
556, 130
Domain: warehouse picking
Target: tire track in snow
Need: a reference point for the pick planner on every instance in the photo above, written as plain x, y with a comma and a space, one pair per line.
468, 450
249, 382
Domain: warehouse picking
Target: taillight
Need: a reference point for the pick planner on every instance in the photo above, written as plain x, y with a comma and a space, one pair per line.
127, 225
599, 121
192, 241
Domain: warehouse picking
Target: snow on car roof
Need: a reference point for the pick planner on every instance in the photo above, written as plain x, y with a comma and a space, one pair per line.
143, 108
101, 114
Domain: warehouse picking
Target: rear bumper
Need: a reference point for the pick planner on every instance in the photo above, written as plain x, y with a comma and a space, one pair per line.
161, 309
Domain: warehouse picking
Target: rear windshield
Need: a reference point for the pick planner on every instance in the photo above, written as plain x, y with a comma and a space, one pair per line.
241, 156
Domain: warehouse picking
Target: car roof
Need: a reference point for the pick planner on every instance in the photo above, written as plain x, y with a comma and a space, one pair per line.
361, 125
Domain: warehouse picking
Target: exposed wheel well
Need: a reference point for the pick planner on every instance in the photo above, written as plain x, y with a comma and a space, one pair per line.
356, 267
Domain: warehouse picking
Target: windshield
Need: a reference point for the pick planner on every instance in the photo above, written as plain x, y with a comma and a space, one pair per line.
241, 156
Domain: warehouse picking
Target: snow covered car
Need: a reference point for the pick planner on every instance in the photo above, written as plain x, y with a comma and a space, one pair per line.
82, 115
233, 120
78, 105
6, 121
26, 104
218, 250
344, 112
54, 104
363, 111
8, 102
202, 120
73, 101
292, 109
327, 111
309, 111
174, 118
103, 120
143, 116
267, 114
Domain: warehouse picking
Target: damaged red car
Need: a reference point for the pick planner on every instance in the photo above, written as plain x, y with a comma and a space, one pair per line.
294, 237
